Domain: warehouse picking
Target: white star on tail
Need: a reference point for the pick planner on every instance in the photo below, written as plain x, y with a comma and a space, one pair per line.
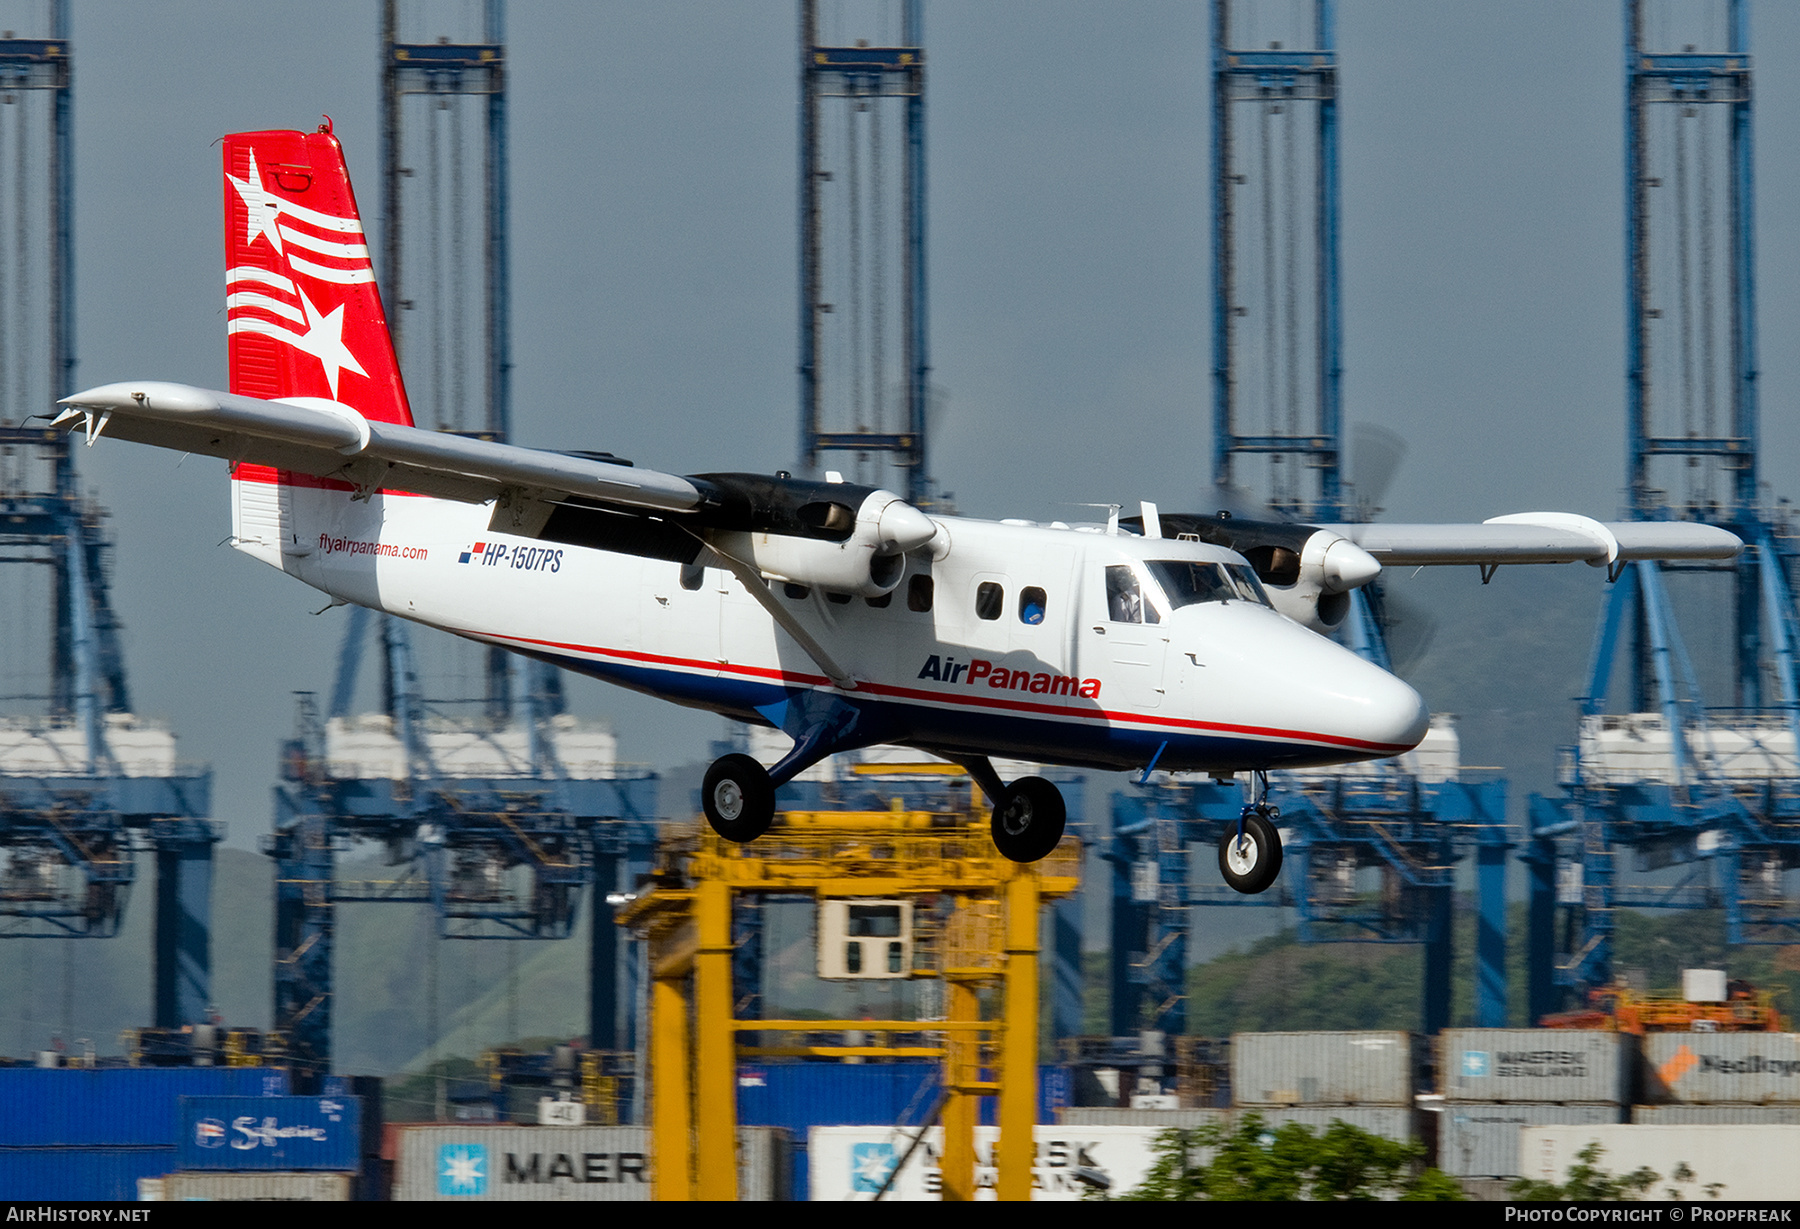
263, 206
324, 340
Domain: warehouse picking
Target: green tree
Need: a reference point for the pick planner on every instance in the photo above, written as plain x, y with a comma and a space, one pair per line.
1587, 1181
1253, 1161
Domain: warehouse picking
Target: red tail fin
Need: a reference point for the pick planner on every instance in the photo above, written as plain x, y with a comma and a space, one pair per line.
303, 316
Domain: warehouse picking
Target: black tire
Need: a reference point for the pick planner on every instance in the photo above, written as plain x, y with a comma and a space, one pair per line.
1253, 867
738, 799
1028, 821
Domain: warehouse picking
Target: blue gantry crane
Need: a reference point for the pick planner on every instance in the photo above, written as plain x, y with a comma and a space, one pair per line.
1371, 853
864, 368
1670, 800
85, 785
501, 823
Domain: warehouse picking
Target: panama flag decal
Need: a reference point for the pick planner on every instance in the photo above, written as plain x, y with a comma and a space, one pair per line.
303, 316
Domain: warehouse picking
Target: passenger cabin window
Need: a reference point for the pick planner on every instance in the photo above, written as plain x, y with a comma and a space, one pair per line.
692, 576
797, 592
918, 594
1032, 605
990, 599
838, 599
880, 602
1125, 598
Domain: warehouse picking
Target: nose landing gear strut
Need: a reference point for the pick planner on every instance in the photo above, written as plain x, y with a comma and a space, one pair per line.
1250, 857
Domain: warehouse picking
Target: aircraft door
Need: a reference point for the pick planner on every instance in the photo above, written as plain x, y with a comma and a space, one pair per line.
1126, 631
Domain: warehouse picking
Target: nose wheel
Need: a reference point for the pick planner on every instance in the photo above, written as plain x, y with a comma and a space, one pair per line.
1028, 819
1250, 854
738, 798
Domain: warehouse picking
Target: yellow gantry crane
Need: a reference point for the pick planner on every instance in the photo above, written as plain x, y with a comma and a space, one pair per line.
981, 934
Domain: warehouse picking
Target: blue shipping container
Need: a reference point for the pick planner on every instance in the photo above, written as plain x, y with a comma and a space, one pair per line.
115, 1106
102, 1174
270, 1133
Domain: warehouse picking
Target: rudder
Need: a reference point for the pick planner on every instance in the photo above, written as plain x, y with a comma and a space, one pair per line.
303, 317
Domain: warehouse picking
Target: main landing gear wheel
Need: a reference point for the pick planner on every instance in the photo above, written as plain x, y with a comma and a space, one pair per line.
1251, 862
737, 796
1028, 819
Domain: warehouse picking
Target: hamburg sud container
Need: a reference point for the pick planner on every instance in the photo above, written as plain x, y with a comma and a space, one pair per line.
93, 1133
1714, 1068
1368, 1068
284, 1133
1534, 1065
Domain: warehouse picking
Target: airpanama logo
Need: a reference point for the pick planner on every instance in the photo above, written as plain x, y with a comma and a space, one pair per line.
976, 672
253, 294
519, 558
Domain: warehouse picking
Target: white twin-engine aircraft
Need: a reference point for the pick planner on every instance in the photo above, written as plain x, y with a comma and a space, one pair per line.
840, 614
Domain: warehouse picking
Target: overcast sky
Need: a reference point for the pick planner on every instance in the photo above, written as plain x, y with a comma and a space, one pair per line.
654, 272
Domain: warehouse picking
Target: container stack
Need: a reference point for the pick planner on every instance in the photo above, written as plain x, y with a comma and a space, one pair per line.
1366, 1079
1711, 1078
94, 1133
1497, 1080
266, 1148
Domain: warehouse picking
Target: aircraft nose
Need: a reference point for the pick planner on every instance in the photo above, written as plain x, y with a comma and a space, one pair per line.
1397, 715
1369, 708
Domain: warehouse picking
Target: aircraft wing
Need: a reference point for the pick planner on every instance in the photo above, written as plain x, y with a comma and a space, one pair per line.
1540, 537
328, 440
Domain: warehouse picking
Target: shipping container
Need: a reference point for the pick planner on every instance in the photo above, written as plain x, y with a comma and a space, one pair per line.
1535, 1065
282, 1133
115, 1106
1367, 1068
853, 1162
1482, 1140
1708, 1068
1747, 1162
765, 1165
1698, 1115
486, 1162
1161, 1120
83, 1174
1399, 1123
800, 1096
244, 1187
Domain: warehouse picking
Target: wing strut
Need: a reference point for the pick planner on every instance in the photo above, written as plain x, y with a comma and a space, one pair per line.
752, 580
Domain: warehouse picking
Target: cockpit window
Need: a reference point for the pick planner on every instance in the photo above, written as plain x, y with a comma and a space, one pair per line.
1125, 597
1186, 582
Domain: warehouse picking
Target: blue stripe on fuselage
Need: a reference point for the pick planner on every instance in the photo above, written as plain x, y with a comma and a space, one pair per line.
1094, 744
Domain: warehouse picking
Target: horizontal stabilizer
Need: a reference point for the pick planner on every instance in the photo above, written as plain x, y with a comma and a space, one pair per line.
327, 439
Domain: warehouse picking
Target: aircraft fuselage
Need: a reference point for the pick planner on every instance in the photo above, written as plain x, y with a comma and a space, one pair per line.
1055, 644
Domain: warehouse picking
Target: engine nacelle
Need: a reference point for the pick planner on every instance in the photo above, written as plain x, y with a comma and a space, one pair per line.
860, 551
1327, 568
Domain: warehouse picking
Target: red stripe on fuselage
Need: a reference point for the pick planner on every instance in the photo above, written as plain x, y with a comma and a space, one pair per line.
975, 701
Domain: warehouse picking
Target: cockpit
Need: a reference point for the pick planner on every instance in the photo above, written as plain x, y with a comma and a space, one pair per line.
1150, 591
